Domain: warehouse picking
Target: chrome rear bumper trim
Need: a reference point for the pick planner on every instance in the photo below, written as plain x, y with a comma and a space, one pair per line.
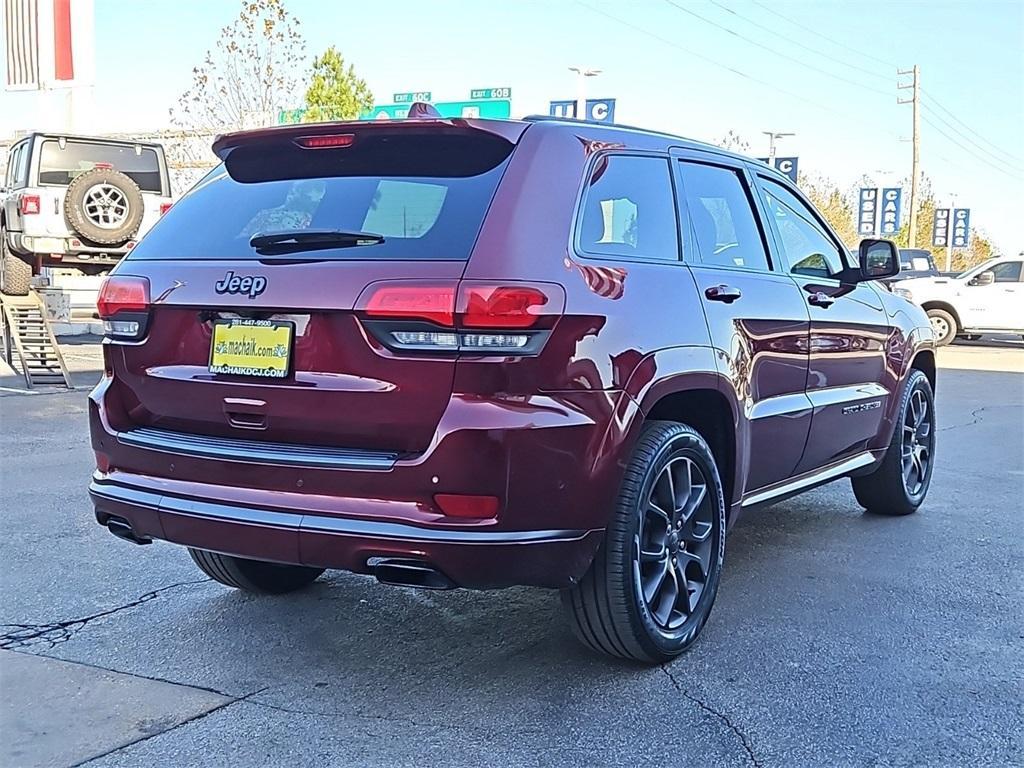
255, 451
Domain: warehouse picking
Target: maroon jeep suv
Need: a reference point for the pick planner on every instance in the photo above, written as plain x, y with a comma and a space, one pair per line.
475, 353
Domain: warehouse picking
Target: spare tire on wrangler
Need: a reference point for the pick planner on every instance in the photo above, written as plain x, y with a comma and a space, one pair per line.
104, 206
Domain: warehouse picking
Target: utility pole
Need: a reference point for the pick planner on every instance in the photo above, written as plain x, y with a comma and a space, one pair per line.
949, 234
582, 73
772, 136
915, 84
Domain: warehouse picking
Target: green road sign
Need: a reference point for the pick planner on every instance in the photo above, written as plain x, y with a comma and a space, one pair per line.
289, 116
490, 93
411, 96
496, 109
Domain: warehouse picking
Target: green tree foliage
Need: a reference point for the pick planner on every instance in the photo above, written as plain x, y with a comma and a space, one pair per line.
978, 250
838, 208
335, 91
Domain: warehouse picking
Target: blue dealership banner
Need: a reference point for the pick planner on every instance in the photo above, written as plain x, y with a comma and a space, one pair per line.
785, 165
940, 228
867, 212
598, 110
961, 227
892, 200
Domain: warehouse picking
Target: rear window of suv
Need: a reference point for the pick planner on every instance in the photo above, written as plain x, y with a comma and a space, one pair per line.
434, 213
60, 165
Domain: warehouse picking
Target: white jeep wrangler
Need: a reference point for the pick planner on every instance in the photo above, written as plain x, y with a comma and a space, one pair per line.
76, 201
988, 298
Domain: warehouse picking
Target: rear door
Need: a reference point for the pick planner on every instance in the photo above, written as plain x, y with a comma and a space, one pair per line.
757, 318
998, 305
849, 330
420, 191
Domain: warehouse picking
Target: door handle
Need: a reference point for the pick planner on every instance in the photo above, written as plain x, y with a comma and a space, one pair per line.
726, 293
821, 299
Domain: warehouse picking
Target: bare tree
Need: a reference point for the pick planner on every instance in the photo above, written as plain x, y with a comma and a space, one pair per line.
252, 71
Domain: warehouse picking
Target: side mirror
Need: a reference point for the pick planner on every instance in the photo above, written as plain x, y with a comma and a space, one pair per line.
879, 259
983, 278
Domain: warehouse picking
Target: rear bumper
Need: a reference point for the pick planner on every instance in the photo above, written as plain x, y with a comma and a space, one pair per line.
64, 248
470, 558
553, 461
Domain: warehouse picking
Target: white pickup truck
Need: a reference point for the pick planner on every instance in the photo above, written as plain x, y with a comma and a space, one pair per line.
988, 298
76, 201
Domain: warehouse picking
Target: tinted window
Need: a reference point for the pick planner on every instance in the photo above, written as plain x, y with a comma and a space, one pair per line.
61, 165
21, 167
629, 209
722, 217
1007, 272
808, 250
17, 166
420, 217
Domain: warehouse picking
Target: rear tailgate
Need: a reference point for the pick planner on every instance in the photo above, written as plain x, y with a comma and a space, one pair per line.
426, 196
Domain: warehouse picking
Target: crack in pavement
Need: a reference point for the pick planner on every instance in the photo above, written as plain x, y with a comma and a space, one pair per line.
747, 747
975, 418
186, 721
23, 635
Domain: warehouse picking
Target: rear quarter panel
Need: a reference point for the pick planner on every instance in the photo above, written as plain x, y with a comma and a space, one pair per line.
631, 330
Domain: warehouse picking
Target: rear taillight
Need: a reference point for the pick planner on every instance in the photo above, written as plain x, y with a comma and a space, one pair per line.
165, 207
123, 306
466, 317
434, 303
29, 205
500, 306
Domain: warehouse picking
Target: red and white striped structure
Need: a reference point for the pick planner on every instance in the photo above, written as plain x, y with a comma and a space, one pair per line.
48, 43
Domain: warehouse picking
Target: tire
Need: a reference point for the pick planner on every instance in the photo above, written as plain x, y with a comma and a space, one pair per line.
104, 206
609, 610
944, 326
888, 490
253, 575
16, 275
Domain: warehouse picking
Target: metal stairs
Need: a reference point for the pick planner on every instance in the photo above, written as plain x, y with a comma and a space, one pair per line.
27, 333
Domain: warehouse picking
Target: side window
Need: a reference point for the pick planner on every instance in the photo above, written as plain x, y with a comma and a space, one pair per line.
13, 163
629, 209
807, 249
21, 167
723, 221
1007, 272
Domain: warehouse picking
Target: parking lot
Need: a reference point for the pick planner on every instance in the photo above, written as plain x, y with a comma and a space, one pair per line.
837, 638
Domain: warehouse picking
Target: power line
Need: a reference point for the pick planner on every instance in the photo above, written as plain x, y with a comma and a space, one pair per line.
970, 141
863, 54
860, 52
931, 106
1017, 176
830, 55
713, 62
771, 50
936, 103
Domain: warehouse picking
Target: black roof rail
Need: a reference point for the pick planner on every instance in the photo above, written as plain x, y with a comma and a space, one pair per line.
638, 129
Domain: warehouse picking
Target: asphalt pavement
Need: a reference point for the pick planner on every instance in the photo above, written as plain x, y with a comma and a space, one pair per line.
838, 638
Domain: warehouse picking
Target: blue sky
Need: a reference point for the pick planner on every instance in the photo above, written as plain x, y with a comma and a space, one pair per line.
667, 68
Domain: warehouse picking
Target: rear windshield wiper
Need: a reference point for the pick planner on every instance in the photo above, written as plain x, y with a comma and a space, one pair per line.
293, 240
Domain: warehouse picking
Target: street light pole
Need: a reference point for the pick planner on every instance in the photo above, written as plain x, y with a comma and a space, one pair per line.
582, 73
772, 136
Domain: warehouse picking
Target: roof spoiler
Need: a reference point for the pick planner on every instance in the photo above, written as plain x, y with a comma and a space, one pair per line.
422, 117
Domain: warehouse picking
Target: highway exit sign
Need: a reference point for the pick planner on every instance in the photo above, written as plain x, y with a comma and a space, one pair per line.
497, 109
490, 93
411, 96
